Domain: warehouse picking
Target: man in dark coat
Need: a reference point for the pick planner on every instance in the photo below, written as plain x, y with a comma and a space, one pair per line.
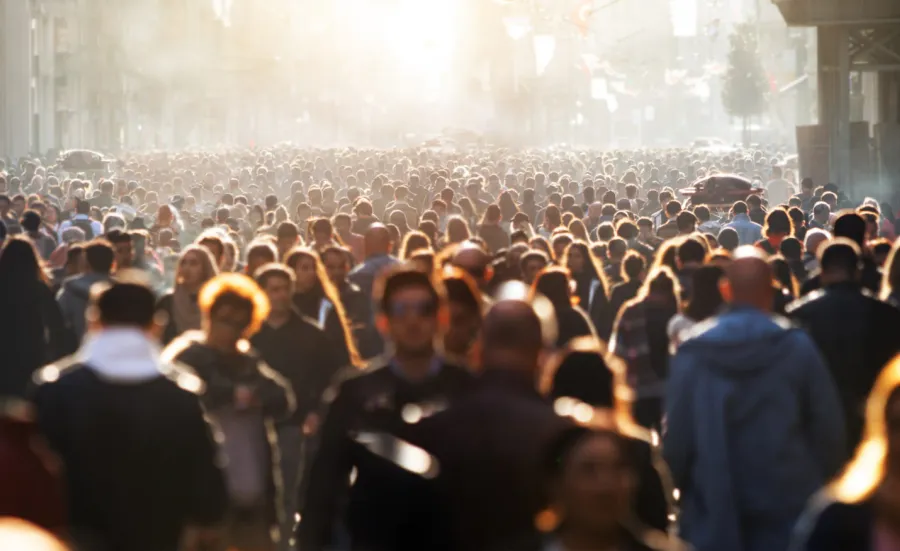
489, 443
856, 332
298, 349
373, 408
138, 476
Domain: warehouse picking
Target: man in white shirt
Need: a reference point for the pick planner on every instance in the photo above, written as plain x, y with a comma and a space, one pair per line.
82, 219
778, 190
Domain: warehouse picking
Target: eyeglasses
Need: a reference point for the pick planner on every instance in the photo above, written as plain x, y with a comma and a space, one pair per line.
423, 309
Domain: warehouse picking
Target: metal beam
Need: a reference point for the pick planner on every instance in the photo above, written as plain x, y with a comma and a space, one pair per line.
879, 45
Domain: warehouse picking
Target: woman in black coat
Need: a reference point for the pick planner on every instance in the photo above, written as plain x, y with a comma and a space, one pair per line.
32, 333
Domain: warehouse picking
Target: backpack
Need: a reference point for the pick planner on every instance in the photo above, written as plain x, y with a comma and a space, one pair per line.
86, 226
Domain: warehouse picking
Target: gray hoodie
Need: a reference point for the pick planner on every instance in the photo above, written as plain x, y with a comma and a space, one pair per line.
73, 301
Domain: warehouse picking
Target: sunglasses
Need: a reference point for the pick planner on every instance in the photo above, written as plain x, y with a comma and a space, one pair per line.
423, 309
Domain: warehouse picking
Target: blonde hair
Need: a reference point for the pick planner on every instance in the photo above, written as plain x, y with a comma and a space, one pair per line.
240, 287
866, 471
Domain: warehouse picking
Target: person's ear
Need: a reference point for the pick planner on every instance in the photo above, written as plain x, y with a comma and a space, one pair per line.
443, 318
725, 290
382, 324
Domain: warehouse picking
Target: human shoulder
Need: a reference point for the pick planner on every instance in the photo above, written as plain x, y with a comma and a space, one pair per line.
55, 372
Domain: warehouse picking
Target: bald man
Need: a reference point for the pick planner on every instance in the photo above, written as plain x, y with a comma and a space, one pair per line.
755, 425
378, 260
488, 442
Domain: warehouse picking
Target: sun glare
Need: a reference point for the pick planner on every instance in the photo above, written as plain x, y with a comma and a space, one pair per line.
417, 36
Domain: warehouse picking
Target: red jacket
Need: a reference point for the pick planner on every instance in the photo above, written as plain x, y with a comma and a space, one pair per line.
31, 487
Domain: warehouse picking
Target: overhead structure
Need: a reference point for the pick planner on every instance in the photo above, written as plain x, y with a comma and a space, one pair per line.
855, 38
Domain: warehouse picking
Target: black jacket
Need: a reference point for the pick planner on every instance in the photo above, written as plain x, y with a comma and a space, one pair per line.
221, 374
871, 278
622, 293
300, 351
571, 323
383, 509
857, 335
140, 460
315, 306
32, 335
489, 446
836, 526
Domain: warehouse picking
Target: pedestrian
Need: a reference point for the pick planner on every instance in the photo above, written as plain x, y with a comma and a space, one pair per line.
488, 443
705, 303
137, 477
75, 294
753, 417
591, 286
195, 267
316, 297
299, 350
749, 232
855, 332
412, 315
245, 398
465, 303
571, 320
633, 272
32, 333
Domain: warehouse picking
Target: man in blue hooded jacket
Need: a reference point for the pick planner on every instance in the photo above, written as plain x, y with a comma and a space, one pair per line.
755, 425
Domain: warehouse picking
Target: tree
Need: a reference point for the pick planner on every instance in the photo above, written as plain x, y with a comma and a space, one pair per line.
746, 87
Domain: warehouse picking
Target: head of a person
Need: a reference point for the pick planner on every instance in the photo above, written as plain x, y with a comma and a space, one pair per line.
852, 226
277, 281
739, 207
464, 304
814, 239
778, 224
124, 303
412, 311
259, 254
552, 217
791, 249
475, 261
821, 212
412, 242
580, 261
233, 307
532, 263
589, 479
123, 245
553, 283
99, 256
307, 268
216, 246
686, 222
673, 207
378, 240
336, 260
728, 239
661, 284
749, 279
20, 263
706, 297
840, 262
195, 267
691, 253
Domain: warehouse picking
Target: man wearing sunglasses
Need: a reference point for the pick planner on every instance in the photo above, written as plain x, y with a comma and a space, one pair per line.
412, 383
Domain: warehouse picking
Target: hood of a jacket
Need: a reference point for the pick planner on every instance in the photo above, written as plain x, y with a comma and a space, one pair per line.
739, 341
121, 355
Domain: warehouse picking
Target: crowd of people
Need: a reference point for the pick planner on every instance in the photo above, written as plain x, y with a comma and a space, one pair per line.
482, 350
